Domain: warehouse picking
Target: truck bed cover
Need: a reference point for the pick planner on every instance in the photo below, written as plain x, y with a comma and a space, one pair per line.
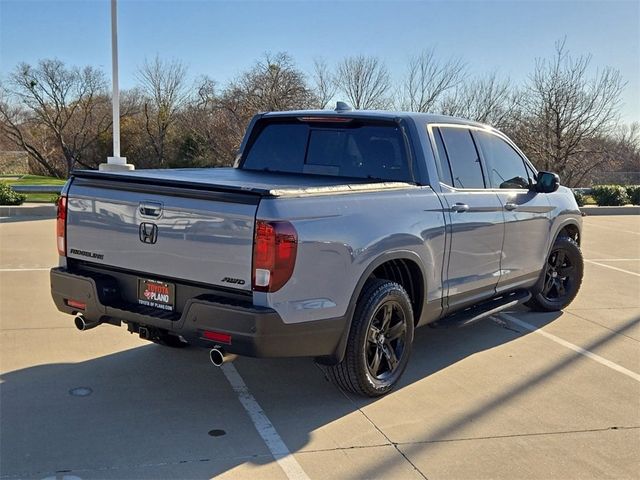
233, 180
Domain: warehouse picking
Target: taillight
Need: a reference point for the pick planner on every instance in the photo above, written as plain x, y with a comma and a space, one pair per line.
274, 255
61, 226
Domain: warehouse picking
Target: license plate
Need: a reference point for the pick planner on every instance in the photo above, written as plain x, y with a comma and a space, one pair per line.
154, 293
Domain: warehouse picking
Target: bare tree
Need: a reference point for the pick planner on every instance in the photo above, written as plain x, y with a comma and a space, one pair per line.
56, 114
325, 85
273, 83
163, 84
564, 109
619, 158
365, 81
428, 79
487, 99
203, 129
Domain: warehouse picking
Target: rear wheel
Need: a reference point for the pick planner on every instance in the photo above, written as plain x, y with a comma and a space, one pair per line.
379, 341
562, 277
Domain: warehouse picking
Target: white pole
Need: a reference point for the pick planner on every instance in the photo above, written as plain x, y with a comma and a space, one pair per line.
115, 162
116, 90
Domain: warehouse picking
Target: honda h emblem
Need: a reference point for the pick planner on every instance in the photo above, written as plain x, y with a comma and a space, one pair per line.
148, 232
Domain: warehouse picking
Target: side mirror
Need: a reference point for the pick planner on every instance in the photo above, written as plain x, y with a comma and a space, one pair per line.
547, 182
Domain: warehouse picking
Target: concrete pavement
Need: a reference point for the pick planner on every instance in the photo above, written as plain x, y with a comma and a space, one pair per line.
493, 400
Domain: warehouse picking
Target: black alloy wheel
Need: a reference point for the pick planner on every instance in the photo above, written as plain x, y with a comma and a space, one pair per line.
386, 340
379, 342
563, 273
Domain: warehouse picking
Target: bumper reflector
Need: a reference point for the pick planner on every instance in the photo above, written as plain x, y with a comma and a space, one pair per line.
76, 304
217, 337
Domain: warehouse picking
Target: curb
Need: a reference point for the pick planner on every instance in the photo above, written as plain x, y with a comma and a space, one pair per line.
29, 210
626, 210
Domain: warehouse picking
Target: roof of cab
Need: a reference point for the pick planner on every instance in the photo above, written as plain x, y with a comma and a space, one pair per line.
420, 118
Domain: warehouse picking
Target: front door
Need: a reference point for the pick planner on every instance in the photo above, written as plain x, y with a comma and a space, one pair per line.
527, 221
476, 220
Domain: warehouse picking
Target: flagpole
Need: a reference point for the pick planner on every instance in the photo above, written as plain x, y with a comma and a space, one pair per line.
116, 162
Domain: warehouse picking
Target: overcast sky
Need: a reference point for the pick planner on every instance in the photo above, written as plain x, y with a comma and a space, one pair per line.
222, 38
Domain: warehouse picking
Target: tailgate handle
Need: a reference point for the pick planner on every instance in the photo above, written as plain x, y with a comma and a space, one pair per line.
150, 209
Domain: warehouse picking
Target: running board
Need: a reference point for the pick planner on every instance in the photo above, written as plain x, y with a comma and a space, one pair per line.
482, 310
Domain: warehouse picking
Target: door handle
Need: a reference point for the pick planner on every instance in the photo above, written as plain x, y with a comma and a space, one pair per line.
510, 206
460, 207
150, 209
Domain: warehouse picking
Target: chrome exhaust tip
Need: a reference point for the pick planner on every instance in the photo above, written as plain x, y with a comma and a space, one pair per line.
219, 357
83, 324
216, 356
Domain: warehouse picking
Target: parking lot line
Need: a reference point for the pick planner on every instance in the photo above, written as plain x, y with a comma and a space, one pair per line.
613, 259
265, 428
613, 268
571, 346
617, 229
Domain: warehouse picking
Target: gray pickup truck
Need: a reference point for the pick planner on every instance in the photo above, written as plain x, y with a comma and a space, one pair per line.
334, 236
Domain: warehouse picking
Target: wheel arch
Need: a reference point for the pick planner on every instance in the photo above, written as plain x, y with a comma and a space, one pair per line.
404, 267
571, 230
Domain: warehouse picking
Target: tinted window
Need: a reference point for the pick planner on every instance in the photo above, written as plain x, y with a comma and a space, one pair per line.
350, 150
506, 168
463, 158
442, 163
278, 148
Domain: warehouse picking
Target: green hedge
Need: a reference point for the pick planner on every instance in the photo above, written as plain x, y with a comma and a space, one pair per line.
633, 191
580, 198
9, 197
610, 195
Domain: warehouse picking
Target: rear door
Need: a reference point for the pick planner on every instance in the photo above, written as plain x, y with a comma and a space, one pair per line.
526, 212
163, 232
476, 222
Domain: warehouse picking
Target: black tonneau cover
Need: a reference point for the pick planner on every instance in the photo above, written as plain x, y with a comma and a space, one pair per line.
236, 181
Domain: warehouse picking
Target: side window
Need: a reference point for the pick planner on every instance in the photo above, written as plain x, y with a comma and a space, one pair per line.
466, 169
506, 167
442, 164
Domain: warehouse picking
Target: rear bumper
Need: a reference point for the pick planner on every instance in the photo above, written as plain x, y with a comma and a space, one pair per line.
255, 331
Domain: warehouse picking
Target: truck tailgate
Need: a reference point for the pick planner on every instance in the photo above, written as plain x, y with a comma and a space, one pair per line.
195, 233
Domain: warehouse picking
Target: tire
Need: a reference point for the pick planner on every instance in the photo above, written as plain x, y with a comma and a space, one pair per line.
561, 278
379, 343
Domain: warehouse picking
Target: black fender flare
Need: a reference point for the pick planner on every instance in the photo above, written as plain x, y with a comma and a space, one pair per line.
379, 260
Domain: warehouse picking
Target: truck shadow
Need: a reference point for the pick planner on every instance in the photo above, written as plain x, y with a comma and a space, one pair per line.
156, 412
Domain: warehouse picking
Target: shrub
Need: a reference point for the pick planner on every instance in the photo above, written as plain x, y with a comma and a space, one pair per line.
633, 191
580, 198
609, 195
9, 197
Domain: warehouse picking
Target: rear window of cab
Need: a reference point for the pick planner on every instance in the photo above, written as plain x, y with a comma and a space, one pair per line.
346, 148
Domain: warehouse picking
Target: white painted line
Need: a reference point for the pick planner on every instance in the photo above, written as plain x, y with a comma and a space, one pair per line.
613, 268
571, 346
613, 259
265, 428
24, 269
612, 227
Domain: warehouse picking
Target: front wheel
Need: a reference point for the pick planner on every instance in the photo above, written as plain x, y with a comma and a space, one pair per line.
562, 277
379, 341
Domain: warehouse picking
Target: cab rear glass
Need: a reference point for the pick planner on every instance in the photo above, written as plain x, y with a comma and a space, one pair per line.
353, 148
